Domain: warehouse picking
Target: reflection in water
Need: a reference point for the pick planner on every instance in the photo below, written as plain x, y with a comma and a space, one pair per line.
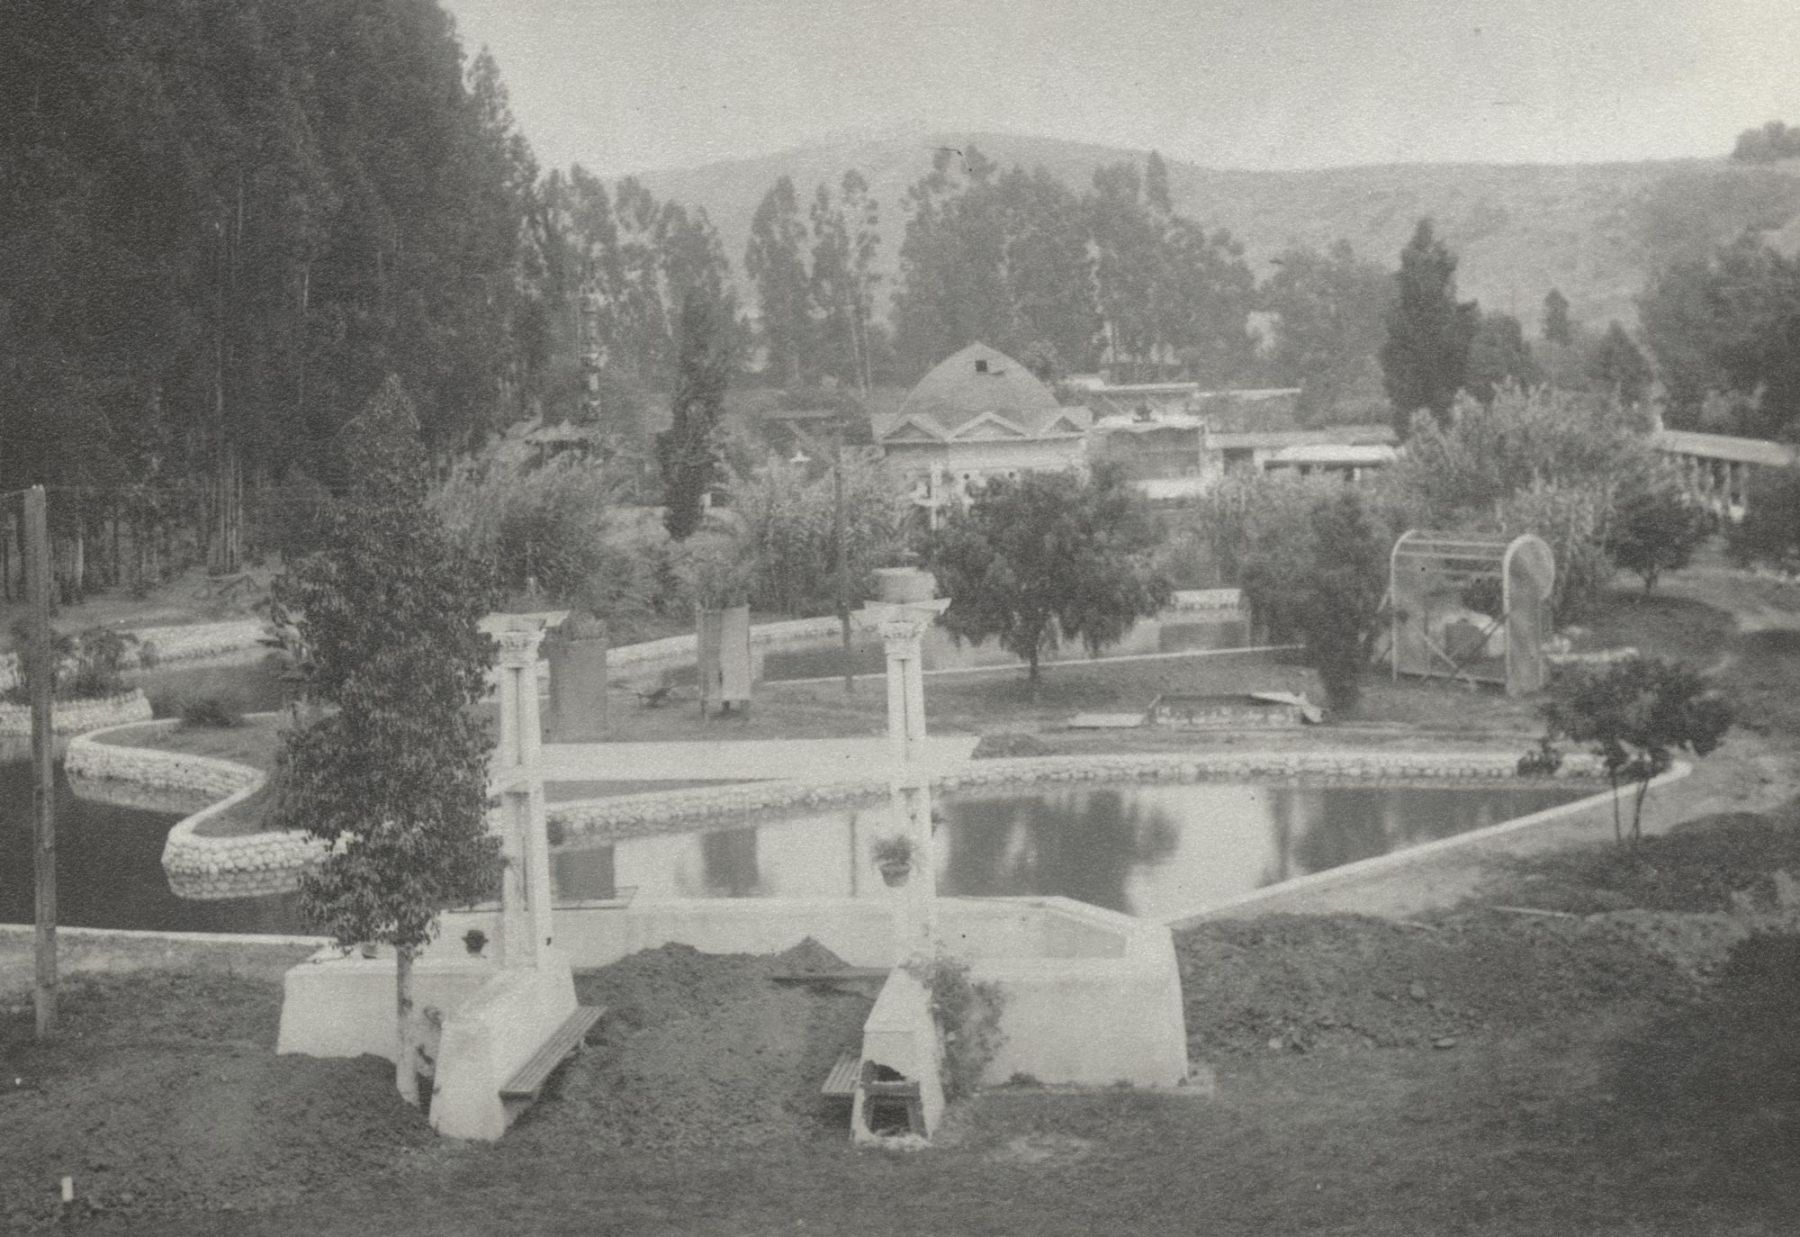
109, 869
728, 858
589, 869
1080, 844
1150, 850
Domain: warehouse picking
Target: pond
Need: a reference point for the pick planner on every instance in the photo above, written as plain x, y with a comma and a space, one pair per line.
109, 868
1146, 849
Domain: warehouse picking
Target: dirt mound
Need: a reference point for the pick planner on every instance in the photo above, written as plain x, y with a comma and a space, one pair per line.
1705, 865
1305, 982
809, 957
704, 1051
165, 1095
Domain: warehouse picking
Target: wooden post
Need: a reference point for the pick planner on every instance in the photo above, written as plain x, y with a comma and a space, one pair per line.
843, 556
43, 753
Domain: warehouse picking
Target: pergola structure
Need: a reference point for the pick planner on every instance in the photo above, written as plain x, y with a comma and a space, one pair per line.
1473, 606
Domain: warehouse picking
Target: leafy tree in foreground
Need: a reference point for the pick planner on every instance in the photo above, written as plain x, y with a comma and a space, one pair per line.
391, 772
1049, 555
1655, 529
1428, 332
1635, 715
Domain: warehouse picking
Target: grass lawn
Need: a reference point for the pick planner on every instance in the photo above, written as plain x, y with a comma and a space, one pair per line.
254, 743
190, 597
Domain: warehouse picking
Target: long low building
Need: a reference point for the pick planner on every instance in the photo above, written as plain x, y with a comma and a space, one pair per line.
1720, 470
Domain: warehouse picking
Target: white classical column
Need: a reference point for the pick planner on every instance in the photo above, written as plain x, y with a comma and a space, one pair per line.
525, 899
902, 628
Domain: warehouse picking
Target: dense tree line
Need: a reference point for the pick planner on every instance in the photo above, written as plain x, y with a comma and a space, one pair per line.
224, 223
1725, 329
1775, 140
618, 267
815, 282
1067, 281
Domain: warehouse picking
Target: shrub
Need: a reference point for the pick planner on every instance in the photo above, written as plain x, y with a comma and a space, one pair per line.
1342, 613
967, 1013
1656, 528
85, 667
1635, 714
1311, 556
1769, 534
99, 664
896, 849
1542, 436
1572, 518
788, 519
210, 712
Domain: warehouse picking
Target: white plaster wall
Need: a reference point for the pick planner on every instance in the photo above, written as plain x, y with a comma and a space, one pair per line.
1092, 997
342, 1005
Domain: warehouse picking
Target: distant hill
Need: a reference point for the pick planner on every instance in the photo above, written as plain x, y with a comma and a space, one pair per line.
1595, 231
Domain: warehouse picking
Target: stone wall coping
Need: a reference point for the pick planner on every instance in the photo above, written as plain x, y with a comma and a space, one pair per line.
74, 717
1380, 865
199, 866
627, 815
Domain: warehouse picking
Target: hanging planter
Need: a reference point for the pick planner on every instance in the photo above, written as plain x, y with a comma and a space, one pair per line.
893, 858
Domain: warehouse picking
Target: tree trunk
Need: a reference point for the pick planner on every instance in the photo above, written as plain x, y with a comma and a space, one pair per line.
406, 1064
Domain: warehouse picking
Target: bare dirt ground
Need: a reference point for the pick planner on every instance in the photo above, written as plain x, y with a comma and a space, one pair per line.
1545, 1037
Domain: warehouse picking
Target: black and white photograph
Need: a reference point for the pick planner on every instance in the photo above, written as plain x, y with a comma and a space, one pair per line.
719, 618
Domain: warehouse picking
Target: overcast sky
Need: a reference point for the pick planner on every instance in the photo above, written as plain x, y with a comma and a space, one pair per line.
631, 85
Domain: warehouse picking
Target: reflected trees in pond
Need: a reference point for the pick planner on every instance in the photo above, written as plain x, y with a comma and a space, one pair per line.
1081, 845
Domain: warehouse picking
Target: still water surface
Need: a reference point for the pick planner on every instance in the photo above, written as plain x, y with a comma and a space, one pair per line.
1145, 849
1149, 850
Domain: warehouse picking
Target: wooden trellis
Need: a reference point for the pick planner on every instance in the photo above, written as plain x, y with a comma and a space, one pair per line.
1473, 606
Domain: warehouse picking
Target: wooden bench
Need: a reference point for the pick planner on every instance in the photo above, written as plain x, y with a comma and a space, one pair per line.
849, 974
529, 1078
847, 1075
904, 1091
841, 1082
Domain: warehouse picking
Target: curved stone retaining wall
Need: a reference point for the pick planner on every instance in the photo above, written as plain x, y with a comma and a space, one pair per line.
155, 767
681, 650
200, 642
236, 640
198, 866
80, 716
228, 867
665, 811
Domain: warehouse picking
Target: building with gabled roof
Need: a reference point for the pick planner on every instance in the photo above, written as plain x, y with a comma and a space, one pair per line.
979, 414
